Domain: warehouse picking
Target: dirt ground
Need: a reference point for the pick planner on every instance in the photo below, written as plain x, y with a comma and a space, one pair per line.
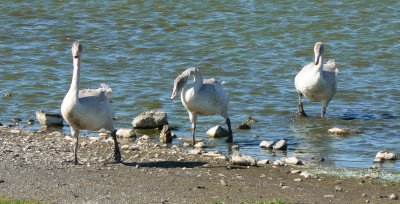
36, 165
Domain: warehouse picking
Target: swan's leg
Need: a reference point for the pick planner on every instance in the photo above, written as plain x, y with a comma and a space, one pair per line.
301, 110
117, 153
193, 119
75, 133
230, 137
323, 109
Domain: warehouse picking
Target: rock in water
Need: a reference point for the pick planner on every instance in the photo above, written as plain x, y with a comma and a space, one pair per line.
385, 155
49, 119
246, 124
267, 144
150, 119
126, 133
343, 131
292, 161
242, 159
280, 145
165, 135
217, 131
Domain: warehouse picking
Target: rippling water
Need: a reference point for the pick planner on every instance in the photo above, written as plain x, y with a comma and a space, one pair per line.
256, 47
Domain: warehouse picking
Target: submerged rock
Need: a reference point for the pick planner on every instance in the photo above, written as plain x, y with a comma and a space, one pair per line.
150, 119
247, 124
343, 131
49, 119
267, 144
280, 145
217, 131
165, 135
384, 155
242, 159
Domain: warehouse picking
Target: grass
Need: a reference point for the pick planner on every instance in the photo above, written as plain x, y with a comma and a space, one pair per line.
4, 200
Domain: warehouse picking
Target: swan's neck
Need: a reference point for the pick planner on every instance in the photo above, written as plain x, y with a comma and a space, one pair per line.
198, 81
320, 64
74, 89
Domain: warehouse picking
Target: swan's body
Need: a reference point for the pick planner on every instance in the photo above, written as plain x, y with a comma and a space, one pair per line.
317, 81
202, 97
88, 109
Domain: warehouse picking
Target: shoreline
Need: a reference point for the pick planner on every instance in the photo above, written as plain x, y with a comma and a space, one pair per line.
35, 165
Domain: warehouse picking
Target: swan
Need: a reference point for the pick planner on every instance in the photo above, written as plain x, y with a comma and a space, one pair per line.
201, 97
88, 109
317, 81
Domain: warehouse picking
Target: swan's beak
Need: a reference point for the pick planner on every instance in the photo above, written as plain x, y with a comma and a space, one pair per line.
316, 60
173, 95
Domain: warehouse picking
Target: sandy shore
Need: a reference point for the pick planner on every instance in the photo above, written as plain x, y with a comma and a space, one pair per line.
36, 166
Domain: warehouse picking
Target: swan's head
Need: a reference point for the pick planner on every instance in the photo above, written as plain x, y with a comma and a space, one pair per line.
179, 83
318, 51
76, 50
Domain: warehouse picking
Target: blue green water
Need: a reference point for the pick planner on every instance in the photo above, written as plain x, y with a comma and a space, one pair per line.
256, 47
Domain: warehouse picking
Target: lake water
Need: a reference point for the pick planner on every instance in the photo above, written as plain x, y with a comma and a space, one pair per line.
256, 47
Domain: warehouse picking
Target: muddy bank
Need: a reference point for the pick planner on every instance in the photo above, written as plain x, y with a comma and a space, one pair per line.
37, 166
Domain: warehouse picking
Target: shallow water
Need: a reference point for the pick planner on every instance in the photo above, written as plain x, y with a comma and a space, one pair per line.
255, 47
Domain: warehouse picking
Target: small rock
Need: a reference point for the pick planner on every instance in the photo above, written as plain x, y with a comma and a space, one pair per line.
242, 159
49, 119
126, 133
329, 196
263, 162
222, 182
125, 147
30, 122
393, 197
297, 179
200, 145
185, 144
278, 163
217, 131
338, 188
150, 119
144, 137
15, 131
364, 195
293, 161
194, 151
295, 171
385, 155
267, 144
367, 201
165, 135
307, 175
280, 145
243, 126
343, 131
8, 94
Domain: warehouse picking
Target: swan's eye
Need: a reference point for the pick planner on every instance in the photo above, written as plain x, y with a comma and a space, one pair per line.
76, 56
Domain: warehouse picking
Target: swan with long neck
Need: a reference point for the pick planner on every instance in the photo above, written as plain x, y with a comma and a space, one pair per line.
88, 109
201, 97
317, 81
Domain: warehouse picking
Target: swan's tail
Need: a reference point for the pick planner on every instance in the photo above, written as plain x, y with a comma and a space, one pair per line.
106, 90
331, 65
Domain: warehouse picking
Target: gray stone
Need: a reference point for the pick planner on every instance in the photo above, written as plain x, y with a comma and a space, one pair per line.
217, 131
242, 159
150, 119
165, 135
280, 145
263, 162
393, 197
200, 145
126, 133
267, 144
385, 155
49, 119
293, 161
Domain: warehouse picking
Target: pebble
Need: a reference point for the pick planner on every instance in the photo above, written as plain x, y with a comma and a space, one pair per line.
280, 145
293, 161
297, 179
307, 175
194, 151
8, 94
329, 196
222, 182
126, 133
338, 188
242, 159
385, 155
263, 162
217, 131
295, 171
15, 131
393, 197
200, 145
267, 144
278, 163
343, 131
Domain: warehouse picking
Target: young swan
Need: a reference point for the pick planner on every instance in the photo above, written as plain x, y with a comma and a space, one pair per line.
88, 109
317, 81
201, 97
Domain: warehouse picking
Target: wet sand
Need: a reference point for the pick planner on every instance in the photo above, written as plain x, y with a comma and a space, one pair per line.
36, 165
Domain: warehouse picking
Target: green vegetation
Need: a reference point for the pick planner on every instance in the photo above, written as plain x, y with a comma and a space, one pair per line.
4, 200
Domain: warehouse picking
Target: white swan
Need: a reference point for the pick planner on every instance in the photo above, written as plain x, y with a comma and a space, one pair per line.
317, 81
88, 109
202, 97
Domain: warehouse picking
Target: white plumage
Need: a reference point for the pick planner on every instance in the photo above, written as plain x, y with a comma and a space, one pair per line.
317, 81
88, 109
201, 97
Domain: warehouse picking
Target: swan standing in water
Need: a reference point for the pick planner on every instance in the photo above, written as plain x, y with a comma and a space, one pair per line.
202, 97
88, 109
317, 81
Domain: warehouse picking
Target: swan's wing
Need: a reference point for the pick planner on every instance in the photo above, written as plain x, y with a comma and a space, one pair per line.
211, 81
103, 91
330, 66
